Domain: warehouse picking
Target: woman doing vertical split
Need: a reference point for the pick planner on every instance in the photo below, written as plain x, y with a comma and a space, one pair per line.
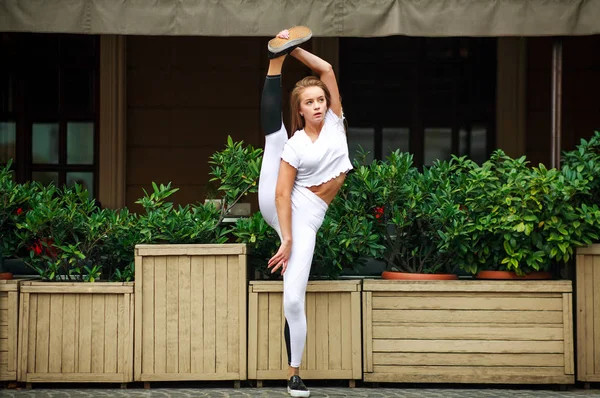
299, 177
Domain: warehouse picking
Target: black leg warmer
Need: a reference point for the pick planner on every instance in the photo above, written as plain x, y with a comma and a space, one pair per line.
270, 105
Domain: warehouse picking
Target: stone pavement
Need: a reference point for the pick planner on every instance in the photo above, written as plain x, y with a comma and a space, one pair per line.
323, 392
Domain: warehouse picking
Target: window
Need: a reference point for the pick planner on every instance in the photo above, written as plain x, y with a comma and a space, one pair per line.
49, 107
432, 97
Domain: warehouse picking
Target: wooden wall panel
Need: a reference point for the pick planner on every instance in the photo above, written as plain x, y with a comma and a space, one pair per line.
9, 310
76, 332
468, 332
191, 315
333, 343
588, 313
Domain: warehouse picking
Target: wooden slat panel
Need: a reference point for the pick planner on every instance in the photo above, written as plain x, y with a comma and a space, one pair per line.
140, 327
80, 288
4, 346
312, 287
252, 334
75, 378
221, 314
160, 314
242, 269
3, 331
77, 336
346, 332
55, 332
32, 334
43, 334
13, 318
4, 317
84, 349
568, 334
68, 336
309, 374
467, 359
191, 250
122, 337
461, 370
335, 334
190, 376
322, 314
595, 315
146, 315
275, 332
477, 346
111, 346
172, 365
263, 331
581, 324
184, 312
3, 301
434, 302
98, 322
588, 280
479, 378
368, 331
197, 321
448, 316
233, 314
310, 360
589, 250
468, 286
209, 314
458, 332
356, 335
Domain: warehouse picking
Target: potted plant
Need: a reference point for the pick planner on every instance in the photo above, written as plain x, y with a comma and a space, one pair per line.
521, 220
415, 214
72, 243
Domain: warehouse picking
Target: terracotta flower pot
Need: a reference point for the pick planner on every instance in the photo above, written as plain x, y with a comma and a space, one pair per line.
513, 275
4, 276
407, 276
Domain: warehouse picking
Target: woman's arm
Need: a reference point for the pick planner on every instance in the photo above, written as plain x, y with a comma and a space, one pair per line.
326, 74
283, 202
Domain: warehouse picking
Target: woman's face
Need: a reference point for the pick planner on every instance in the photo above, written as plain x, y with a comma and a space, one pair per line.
313, 105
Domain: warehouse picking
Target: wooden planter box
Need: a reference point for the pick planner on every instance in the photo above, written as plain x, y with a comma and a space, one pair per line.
190, 312
588, 313
75, 332
333, 343
9, 312
468, 332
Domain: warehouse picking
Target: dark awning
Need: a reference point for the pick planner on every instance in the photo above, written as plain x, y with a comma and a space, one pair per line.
326, 17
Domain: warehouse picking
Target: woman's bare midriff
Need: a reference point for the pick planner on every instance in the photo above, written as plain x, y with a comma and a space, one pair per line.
329, 189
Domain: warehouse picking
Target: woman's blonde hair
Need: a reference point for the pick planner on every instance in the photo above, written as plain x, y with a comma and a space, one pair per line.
310, 81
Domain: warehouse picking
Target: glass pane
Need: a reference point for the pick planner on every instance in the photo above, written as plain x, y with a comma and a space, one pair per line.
45, 177
80, 143
44, 146
479, 144
7, 141
361, 137
395, 138
438, 144
86, 180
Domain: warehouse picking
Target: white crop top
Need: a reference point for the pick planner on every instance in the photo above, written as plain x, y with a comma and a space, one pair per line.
320, 161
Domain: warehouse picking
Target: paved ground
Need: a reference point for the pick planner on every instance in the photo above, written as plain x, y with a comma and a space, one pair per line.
383, 391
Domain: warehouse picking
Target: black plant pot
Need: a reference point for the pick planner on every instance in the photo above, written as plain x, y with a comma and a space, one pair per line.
15, 266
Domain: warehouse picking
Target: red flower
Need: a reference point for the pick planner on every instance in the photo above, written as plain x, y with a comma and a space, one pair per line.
19, 211
36, 247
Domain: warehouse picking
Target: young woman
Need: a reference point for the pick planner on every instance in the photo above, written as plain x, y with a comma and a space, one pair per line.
299, 177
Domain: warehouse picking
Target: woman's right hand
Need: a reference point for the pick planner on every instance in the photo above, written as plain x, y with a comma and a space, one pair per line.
281, 258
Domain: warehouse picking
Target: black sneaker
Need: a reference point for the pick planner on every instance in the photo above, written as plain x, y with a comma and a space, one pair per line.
298, 35
296, 387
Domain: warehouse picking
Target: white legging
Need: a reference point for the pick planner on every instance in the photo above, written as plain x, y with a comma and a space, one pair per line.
308, 212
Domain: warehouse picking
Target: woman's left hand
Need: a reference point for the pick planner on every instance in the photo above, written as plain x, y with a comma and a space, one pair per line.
281, 258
